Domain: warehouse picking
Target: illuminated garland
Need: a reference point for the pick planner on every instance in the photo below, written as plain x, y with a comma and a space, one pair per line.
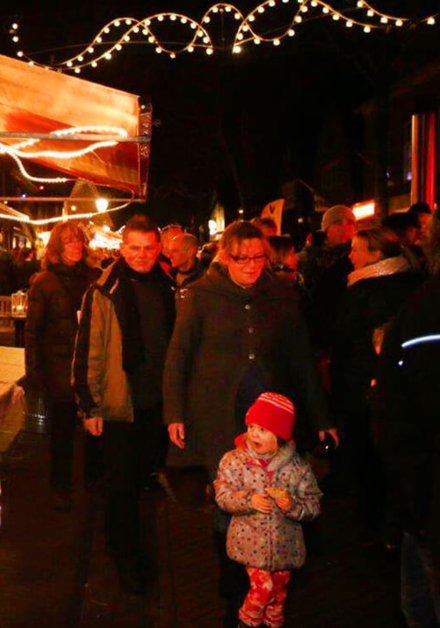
251, 28
44, 221
16, 151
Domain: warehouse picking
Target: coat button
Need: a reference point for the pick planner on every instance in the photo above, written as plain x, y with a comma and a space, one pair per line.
252, 356
247, 306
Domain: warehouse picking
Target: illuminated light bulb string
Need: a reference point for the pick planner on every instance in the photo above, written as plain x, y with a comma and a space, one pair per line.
118, 33
17, 153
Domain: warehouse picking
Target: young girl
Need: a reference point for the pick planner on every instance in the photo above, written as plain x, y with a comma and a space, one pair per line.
268, 489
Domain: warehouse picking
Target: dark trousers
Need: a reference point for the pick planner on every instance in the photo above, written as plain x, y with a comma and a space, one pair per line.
62, 425
420, 584
130, 453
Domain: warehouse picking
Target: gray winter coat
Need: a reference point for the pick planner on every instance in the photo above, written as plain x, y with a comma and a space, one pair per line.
271, 542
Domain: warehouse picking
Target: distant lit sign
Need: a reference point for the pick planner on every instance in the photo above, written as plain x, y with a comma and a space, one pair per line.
367, 209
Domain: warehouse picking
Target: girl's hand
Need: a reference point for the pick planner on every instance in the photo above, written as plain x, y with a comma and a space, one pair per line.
261, 503
284, 503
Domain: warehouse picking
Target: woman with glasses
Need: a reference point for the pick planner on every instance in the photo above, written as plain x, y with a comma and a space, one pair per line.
240, 333
52, 320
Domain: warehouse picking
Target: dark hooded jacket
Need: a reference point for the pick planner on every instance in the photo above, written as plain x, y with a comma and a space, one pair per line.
221, 331
51, 325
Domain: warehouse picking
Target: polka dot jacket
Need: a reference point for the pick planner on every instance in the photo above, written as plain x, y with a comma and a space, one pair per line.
273, 542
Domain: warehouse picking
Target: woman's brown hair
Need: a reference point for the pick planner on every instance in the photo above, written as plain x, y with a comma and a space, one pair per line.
55, 247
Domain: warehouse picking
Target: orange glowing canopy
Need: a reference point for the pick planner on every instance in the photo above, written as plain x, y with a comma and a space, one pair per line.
38, 101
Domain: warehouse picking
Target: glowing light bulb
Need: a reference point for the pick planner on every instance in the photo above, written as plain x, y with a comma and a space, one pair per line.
370, 13
108, 56
272, 3
360, 3
151, 39
304, 8
207, 20
106, 30
257, 41
384, 20
336, 16
80, 58
206, 40
190, 48
117, 23
145, 32
147, 22
135, 29
228, 9
14, 26
16, 39
101, 204
237, 16
245, 28
298, 19
193, 26
172, 55
325, 10
69, 64
260, 9
236, 50
276, 42
127, 38
349, 24
94, 64
215, 10
209, 51
160, 18
314, 3
90, 50
99, 40
128, 22
367, 29
431, 21
251, 18
158, 50
291, 32
77, 70
399, 23
240, 36
173, 18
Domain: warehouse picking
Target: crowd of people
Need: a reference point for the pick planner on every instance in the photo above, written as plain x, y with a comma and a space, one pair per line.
248, 343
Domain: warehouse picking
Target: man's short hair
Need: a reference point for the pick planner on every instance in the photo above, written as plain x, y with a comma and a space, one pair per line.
187, 239
141, 223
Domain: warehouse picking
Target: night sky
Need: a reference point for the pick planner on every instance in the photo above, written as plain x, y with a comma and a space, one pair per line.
228, 125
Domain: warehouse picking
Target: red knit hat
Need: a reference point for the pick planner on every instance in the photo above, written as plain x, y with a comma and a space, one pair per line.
274, 412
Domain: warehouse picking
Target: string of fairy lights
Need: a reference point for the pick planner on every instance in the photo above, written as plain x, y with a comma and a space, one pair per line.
185, 34
253, 27
18, 152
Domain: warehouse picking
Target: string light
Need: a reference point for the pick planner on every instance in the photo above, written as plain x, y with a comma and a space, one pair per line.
103, 46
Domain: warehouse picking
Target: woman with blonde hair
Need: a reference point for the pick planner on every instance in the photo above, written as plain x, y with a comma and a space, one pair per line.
54, 302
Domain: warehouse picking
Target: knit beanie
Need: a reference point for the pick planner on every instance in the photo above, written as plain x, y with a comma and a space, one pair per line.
336, 214
274, 412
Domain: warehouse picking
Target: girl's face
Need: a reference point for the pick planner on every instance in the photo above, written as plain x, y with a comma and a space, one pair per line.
261, 440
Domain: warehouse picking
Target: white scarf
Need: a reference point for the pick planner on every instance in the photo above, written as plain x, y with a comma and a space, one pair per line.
384, 267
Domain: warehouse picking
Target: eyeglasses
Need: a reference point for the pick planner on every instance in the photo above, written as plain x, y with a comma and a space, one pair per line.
242, 260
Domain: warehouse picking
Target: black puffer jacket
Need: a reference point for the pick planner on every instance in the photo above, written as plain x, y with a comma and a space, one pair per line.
52, 322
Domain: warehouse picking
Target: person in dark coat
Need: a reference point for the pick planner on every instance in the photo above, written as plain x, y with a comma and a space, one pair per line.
7, 271
26, 267
239, 332
379, 285
52, 322
407, 432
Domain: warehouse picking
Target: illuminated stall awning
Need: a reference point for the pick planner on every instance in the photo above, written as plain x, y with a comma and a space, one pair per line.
39, 101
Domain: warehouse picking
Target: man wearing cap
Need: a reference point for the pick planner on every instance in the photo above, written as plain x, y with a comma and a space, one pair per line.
326, 271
